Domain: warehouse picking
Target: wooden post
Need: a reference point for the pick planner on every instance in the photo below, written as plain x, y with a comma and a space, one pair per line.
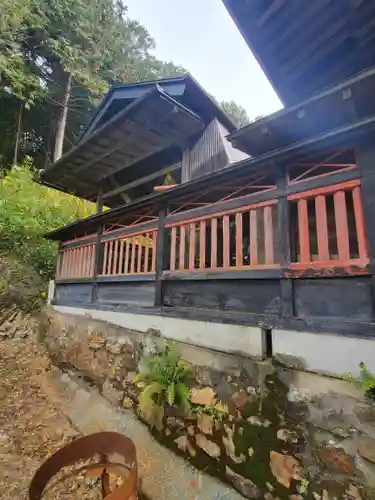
160, 257
99, 202
365, 151
283, 246
97, 264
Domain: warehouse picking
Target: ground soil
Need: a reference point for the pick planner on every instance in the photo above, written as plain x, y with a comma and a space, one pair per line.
32, 427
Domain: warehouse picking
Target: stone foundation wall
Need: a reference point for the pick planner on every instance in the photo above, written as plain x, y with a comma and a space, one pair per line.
285, 433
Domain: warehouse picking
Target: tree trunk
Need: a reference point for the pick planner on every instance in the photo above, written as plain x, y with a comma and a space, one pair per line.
18, 136
61, 122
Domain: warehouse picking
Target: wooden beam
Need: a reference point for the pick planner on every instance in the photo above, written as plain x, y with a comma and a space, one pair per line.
142, 180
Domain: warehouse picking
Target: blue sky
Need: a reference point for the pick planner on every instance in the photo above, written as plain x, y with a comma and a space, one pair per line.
201, 36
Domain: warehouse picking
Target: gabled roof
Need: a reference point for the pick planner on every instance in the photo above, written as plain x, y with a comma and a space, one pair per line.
150, 124
305, 46
185, 89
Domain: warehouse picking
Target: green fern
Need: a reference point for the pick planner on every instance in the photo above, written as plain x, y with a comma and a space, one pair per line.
166, 376
365, 381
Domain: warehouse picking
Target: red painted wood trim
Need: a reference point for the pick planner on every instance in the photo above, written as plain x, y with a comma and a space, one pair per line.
214, 243
105, 257
127, 256
226, 242
239, 240
147, 252
202, 245
254, 206
333, 188
268, 235
303, 232
121, 257
182, 248
139, 256
154, 244
322, 228
115, 257
342, 230
133, 250
360, 224
253, 238
192, 247
172, 265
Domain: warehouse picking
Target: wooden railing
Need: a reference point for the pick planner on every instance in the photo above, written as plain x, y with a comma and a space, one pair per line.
330, 229
76, 262
240, 238
134, 253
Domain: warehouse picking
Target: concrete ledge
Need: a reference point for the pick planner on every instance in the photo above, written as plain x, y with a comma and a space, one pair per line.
323, 353
234, 339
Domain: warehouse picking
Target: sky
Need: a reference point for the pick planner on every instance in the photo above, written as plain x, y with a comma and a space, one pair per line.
201, 36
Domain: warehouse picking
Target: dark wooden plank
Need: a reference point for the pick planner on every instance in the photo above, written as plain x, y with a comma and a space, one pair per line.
327, 272
127, 277
131, 292
349, 298
259, 296
220, 274
78, 243
73, 292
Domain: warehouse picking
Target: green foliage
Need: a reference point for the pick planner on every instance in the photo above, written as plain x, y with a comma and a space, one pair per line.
165, 376
236, 112
28, 211
20, 285
365, 381
213, 410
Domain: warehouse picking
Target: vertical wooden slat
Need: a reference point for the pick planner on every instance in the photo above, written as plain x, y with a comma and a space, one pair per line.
226, 242
69, 263
322, 227
253, 238
202, 245
127, 253
192, 247
360, 224
342, 231
121, 257
74, 262
147, 251
82, 261
139, 256
154, 244
110, 257
92, 260
66, 265
303, 231
133, 250
172, 264
182, 248
214, 243
105, 256
115, 256
268, 235
87, 260
239, 242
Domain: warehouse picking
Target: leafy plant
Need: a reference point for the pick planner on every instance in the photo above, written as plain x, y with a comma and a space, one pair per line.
217, 412
365, 381
165, 376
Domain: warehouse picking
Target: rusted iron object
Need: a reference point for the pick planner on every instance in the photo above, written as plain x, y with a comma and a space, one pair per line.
108, 446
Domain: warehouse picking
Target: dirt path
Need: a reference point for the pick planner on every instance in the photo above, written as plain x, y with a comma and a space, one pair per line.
31, 427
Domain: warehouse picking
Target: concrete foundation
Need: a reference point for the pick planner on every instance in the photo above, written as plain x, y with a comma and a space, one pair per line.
233, 339
324, 353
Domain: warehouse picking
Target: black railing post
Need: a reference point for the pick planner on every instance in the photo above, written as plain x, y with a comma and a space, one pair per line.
97, 263
283, 245
160, 257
